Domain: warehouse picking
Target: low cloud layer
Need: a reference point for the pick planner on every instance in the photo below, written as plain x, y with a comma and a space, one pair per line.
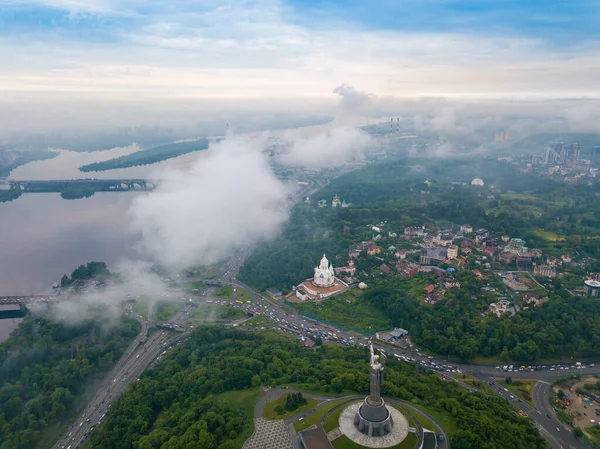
136, 280
227, 198
329, 149
352, 99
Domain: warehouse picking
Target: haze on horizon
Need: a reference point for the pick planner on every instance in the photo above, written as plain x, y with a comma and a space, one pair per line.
106, 63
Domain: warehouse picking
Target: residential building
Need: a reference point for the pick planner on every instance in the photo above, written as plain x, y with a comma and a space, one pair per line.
592, 288
466, 229
489, 250
384, 268
536, 253
350, 269
499, 308
373, 250
401, 255
451, 283
524, 261
414, 231
442, 240
433, 256
544, 270
566, 258
517, 244
452, 252
407, 269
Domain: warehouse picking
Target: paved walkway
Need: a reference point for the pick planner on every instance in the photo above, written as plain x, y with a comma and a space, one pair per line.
269, 435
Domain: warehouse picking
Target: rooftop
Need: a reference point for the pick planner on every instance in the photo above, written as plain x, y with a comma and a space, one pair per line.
315, 438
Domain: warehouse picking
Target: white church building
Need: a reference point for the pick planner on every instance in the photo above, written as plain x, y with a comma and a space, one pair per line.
322, 285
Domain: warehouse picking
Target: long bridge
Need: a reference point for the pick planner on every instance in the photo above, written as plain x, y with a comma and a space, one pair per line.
98, 185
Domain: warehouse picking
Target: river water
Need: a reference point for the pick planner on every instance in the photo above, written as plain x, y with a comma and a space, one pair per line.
43, 236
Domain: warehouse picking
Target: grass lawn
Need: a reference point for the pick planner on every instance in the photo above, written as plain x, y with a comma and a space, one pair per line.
214, 312
270, 413
548, 236
247, 399
344, 443
521, 388
594, 433
164, 311
348, 312
141, 308
243, 295
473, 382
316, 416
257, 321
190, 286
442, 417
333, 421
225, 292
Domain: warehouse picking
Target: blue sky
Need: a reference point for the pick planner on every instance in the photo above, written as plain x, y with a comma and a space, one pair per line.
558, 21
300, 47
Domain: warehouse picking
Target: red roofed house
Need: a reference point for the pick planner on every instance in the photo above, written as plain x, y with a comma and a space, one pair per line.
478, 274
429, 289
400, 255
489, 250
566, 258
373, 249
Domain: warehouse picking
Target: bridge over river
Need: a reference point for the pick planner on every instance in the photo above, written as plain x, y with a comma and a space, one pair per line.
61, 185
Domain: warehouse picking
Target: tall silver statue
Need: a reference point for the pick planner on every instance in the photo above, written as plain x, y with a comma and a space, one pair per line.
373, 417
376, 374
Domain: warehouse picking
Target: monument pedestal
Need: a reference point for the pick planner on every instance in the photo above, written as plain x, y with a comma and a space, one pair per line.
373, 420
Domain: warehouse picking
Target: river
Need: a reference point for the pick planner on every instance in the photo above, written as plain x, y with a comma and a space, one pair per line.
43, 236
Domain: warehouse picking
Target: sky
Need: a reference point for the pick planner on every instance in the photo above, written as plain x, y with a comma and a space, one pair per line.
299, 49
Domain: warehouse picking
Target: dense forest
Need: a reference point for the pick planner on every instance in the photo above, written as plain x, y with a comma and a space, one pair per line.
149, 156
44, 369
178, 404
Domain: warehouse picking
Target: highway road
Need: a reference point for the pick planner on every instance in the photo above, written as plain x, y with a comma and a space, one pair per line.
141, 353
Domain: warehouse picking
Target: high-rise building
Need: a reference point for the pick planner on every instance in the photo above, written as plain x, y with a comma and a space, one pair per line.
575, 151
596, 156
550, 156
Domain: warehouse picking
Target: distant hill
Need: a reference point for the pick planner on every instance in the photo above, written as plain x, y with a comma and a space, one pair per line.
150, 156
536, 142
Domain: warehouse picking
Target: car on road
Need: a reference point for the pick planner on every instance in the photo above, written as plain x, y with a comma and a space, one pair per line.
558, 429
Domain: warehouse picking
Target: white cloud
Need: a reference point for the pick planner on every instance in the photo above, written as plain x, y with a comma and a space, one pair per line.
329, 149
228, 198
